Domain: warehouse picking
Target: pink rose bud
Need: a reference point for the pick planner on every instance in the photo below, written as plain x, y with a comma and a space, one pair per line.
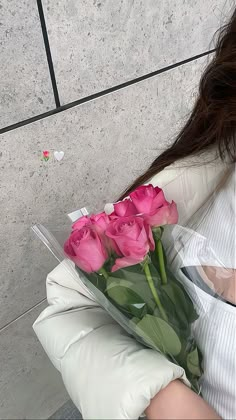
99, 221
151, 203
85, 248
124, 208
133, 237
81, 222
46, 153
165, 215
148, 198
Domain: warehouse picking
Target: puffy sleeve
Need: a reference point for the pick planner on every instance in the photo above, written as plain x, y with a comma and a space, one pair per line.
107, 373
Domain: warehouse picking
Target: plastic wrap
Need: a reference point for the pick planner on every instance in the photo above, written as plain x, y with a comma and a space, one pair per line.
159, 300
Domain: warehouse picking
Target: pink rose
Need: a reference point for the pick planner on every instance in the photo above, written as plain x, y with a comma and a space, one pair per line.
133, 237
151, 203
81, 222
86, 249
165, 215
147, 198
124, 208
99, 221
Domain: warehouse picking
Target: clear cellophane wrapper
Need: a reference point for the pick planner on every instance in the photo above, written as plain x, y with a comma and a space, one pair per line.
164, 319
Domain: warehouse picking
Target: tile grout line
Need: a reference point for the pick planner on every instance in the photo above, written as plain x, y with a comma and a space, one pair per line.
102, 93
21, 316
48, 53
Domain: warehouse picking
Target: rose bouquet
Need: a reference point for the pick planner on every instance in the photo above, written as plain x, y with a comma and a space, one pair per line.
120, 257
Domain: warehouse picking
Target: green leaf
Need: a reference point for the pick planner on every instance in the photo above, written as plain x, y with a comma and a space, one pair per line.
134, 320
123, 295
177, 303
159, 334
193, 363
135, 281
97, 280
176, 295
182, 303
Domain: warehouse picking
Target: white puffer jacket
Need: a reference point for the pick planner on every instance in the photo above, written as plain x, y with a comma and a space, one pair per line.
107, 374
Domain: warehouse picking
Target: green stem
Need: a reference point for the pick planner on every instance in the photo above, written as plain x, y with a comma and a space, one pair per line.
103, 272
154, 292
160, 256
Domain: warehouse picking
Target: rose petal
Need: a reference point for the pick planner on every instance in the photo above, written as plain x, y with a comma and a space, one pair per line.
81, 222
130, 236
165, 215
125, 262
146, 198
150, 236
125, 208
86, 249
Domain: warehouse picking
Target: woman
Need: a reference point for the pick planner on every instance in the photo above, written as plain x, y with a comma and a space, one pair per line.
106, 372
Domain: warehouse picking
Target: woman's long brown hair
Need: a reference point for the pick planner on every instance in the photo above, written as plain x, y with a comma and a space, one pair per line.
212, 122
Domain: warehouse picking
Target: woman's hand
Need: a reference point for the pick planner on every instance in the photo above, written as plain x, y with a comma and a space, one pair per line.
177, 401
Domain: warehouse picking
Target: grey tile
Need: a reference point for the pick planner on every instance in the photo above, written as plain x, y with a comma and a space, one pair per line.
30, 387
24, 77
25, 263
107, 143
101, 43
